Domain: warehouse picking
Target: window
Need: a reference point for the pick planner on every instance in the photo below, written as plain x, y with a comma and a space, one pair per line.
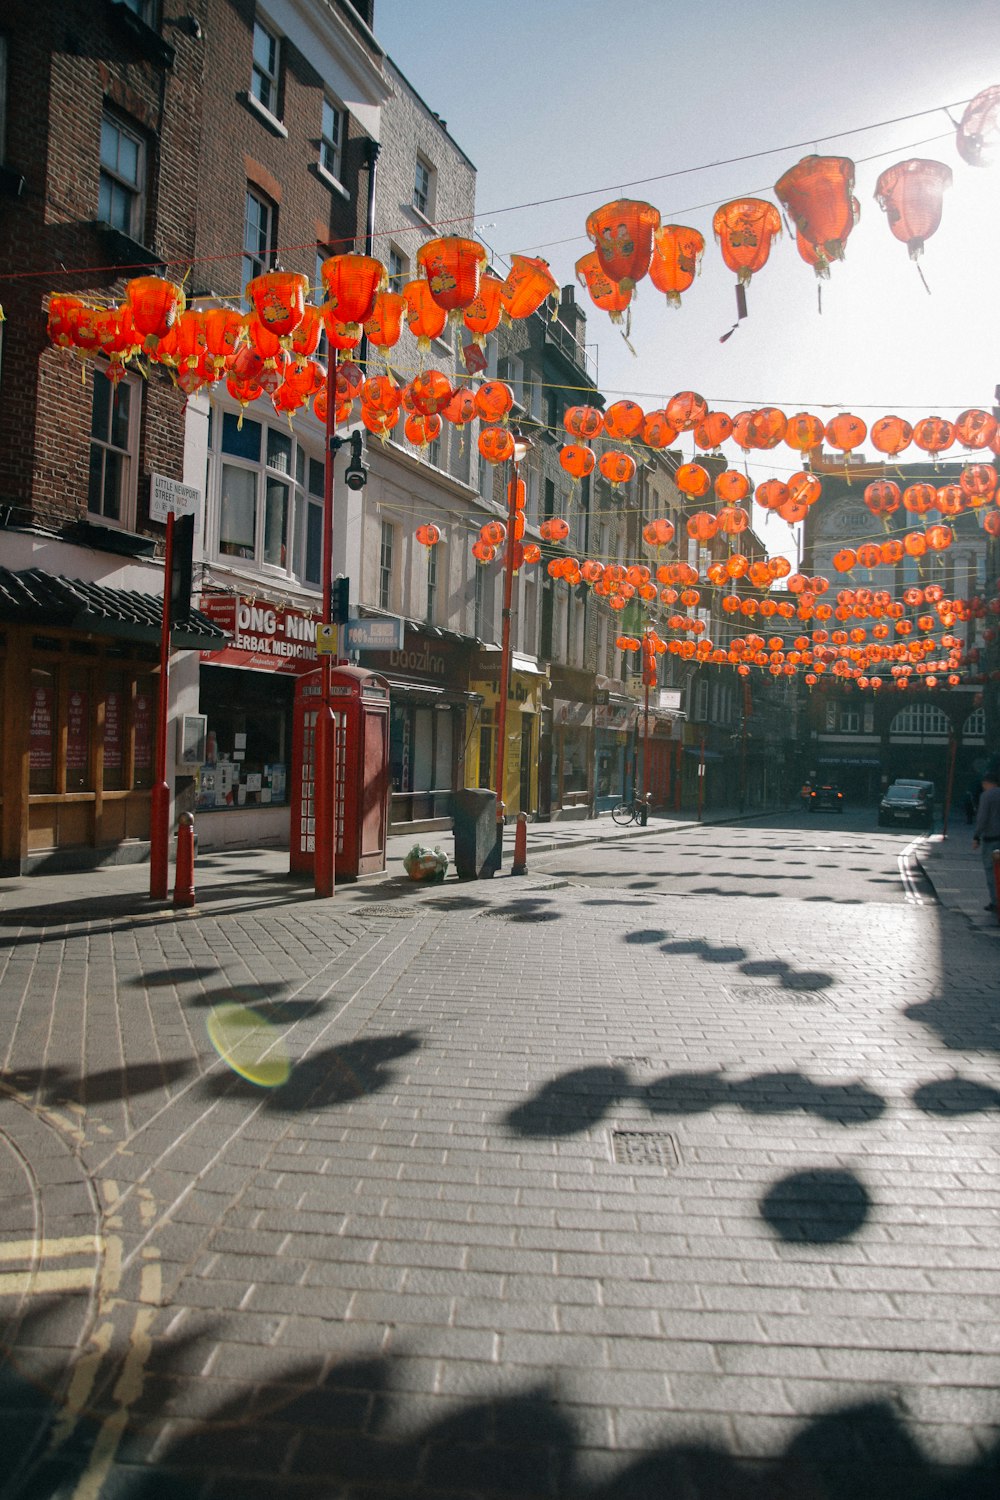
144, 9
385, 566
850, 721
270, 499
122, 177
399, 268
264, 76
113, 426
331, 143
432, 582
423, 188
258, 229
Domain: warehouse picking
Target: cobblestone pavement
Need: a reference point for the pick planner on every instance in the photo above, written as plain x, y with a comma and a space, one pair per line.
587, 1184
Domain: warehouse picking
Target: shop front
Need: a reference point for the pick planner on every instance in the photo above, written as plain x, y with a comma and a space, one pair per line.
615, 720
570, 763
523, 728
432, 725
240, 760
79, 669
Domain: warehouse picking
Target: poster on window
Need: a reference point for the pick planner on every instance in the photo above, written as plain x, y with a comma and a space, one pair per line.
113, 732
40, 730
77, 726
142, 720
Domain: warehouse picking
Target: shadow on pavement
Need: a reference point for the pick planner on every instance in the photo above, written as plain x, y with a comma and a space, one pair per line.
821, 1206
334, 1075
297, 1431
956, 1096
580, 1099
58, 1086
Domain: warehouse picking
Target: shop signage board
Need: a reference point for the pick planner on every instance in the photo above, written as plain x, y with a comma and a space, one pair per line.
264, 637
167, 495
326, 640
374, 635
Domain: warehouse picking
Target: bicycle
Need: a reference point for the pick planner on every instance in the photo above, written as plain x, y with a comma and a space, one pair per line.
630, 812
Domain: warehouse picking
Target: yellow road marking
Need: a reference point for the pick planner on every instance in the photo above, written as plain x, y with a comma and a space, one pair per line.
67, 1279
77, 1244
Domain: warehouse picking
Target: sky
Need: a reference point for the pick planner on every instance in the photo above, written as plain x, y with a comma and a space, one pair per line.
585, 98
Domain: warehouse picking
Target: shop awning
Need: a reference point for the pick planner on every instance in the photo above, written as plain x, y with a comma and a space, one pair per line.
34, 597
707, 754
428, 691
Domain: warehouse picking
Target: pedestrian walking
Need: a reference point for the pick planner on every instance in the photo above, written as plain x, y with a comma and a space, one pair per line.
986, 832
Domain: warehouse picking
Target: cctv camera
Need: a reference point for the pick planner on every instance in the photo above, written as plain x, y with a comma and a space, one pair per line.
356, 473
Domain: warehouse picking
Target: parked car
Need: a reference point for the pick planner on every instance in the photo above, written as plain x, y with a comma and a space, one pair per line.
905, 804
826, 798
928, 786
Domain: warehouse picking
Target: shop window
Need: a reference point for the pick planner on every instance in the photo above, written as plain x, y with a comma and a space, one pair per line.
486, 747
78, 704
249, 734
122, 178
258, 235
270, 492
331, 143
385, 566
264, 72
142, 732
42, 730
113, 441
113, 758
423, 187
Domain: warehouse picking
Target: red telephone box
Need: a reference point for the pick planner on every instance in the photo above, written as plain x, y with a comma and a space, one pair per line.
360, 703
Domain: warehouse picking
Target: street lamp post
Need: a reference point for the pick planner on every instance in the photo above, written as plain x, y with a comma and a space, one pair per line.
521, 448
325, 745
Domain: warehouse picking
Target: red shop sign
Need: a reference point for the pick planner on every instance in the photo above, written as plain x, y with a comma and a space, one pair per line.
265, 638
113, 731
40, 730
77, 730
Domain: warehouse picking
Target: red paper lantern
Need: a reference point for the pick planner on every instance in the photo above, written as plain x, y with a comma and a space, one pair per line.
482, 315
496, 444
657, 431
385, 324
622, 233
767, 427
425, 319
623, 421
603, 292
677, 252
817, 194
279, 299
659, 532
744, 229
686, 410
714, 430
732, 520
554, 530
978, 134
617, 468
156, 304
352, 283
584, 422
453, 267
891, 435
771, 494
577, 461
421, 431
427, 535
846, 432
461, 409
693, 480
919, 498
528, 283
882, 497
975, 429
430, 393
933, 434
494, 400
731, 486
912, 194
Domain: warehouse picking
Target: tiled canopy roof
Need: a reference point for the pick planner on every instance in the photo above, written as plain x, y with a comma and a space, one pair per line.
33, 597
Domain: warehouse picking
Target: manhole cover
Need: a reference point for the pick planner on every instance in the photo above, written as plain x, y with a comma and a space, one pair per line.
644, 1148
772, 994
381, 911
523, 916
632, 1060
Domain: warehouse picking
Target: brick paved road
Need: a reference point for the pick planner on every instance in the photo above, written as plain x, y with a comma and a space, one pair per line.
579, 1186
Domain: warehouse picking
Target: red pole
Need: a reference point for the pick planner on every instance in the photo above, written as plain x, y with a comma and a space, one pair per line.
520, 865
508, 595
184, 868
159, 797
323, 761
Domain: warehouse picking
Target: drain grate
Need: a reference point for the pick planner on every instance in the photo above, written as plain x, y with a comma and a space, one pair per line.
772, 994
644, 1148
368, 912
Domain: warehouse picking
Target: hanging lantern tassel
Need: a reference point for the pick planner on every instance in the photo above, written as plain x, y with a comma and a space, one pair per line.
741, 311
922, 276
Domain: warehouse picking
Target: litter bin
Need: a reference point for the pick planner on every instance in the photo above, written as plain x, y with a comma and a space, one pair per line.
474, 820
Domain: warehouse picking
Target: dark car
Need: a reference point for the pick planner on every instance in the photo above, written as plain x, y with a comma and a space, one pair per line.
905, 805
826, 798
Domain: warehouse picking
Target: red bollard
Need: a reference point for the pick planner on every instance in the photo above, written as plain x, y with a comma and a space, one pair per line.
184, 875
520, 865
996, 882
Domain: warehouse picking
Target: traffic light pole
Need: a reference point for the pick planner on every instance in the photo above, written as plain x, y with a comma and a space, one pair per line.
325, 743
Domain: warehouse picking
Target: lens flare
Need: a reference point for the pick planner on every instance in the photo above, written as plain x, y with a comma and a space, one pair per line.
249, 1045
